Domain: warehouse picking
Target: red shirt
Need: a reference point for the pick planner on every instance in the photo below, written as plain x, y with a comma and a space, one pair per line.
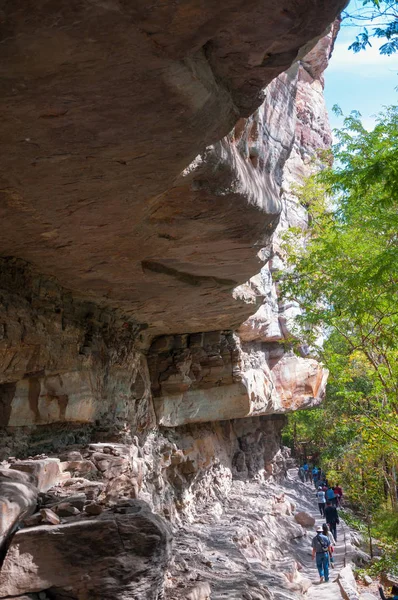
338, 491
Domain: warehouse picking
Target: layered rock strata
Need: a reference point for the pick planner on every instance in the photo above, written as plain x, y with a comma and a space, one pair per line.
300, 157
66, 360
132, 394
213, 377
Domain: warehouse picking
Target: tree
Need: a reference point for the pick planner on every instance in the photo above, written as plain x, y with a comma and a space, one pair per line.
382, 17
345, 279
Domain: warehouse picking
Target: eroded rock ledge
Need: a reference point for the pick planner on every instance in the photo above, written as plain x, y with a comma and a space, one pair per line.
104, 105
129, 386
213, 377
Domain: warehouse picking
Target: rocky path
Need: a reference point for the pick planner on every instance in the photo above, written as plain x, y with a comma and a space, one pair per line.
304, 494
252, 548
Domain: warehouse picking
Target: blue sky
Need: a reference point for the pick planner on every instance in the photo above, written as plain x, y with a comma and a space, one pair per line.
363, 81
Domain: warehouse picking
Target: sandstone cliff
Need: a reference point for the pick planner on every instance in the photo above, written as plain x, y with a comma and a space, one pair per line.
127, 347
105, 104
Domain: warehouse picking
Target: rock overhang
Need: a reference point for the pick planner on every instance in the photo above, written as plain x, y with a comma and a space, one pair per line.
105, 105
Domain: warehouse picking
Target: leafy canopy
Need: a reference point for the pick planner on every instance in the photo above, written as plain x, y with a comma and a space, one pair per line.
379, 15
345, 278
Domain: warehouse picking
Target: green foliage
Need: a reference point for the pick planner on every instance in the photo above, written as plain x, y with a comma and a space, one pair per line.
385, 530
353, 521
382, 17
345, 279
386, 524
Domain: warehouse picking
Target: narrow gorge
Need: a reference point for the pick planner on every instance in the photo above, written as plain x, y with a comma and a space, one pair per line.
150, 158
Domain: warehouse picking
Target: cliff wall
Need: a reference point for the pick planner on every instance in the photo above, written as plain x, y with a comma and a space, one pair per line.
105, 104
68, 360
133, 377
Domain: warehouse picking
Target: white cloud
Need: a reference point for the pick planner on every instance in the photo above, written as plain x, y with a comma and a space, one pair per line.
367, 63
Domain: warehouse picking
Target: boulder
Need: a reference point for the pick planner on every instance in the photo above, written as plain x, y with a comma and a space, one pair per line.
388, 579
65, 509
347, 574
304, 519
77, 500
33, 520
45, 473
17, 500
48, 516
113, 556
347, 583
360, 558
15, 475
80, 466
201, 591
94, 509
356, 539
347, 591
367, 579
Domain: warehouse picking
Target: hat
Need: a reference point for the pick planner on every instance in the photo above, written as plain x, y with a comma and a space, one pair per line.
319, 529
320, 487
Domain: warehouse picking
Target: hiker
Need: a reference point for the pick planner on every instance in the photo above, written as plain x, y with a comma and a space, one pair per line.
320, 551
326, 531
310, 474
330, 496
394, 592
301, 474
339, 494
315, 476
320, 495
306, 469
332, 518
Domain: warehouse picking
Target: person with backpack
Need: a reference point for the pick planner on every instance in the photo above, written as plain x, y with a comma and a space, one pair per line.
320, 495
394, 592
306, 469
332, 518
330, 495
321, 552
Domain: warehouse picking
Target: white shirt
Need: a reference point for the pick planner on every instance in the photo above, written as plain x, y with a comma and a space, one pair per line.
331, 538
321, 497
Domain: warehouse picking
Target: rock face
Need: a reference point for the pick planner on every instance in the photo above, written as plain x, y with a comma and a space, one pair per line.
146, 167
64, 361
104, 105
212, 377
81, 364
291, 156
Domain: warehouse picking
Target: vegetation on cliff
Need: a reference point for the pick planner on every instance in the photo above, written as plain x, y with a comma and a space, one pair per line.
345, 279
